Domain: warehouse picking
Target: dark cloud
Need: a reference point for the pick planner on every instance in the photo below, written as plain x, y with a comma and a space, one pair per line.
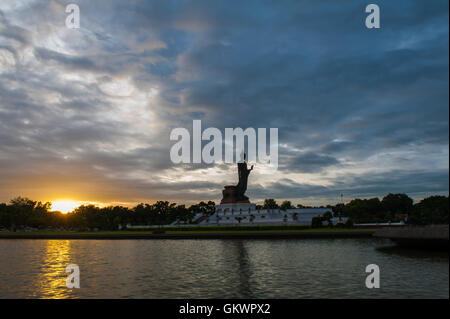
419, 184
65, 59
306, 162
95, 106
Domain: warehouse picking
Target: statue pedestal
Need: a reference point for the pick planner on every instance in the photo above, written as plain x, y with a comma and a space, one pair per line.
231, 196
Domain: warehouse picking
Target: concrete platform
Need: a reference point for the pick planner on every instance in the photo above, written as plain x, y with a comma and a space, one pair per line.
433, 236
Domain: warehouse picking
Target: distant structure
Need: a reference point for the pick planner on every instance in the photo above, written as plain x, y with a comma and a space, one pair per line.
295, 216
236, 209
234, 195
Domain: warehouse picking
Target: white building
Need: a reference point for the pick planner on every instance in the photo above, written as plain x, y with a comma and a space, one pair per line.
247, 214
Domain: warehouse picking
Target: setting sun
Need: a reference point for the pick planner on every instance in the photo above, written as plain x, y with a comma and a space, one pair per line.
64, 206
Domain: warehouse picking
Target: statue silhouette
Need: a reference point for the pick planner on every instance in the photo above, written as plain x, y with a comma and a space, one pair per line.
236, 193
243, 173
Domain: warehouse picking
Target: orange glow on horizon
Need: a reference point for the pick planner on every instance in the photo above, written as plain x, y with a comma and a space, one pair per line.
65, 206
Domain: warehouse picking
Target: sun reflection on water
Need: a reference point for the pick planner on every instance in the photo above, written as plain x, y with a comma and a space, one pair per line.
52, 278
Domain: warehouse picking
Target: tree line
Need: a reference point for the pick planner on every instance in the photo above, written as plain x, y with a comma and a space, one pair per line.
24, 212
392, 207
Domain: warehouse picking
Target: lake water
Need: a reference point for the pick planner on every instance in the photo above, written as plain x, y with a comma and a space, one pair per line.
318, 268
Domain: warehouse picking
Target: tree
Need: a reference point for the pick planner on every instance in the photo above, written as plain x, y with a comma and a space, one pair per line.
26, 212
327, 215
23, 202
364, 210
270, 203
349, 223
286, 205
316, 222
431, 210
184, 214
207, 209
397, 204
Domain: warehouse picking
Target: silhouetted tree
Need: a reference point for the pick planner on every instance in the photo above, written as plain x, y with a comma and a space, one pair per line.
286, 205
397, 204
316, 222
23, 212
431, 210
270, 203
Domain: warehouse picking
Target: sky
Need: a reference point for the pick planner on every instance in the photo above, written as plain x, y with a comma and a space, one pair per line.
86, 114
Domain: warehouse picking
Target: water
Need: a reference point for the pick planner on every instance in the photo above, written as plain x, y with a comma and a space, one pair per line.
322, 268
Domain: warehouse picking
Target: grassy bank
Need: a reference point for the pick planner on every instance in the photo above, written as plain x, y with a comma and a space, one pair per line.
230, 232
228, 228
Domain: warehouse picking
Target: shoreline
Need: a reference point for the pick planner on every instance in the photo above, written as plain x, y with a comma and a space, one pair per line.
196, 235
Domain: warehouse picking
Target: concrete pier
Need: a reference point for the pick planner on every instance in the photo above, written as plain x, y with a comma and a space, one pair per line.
432, 236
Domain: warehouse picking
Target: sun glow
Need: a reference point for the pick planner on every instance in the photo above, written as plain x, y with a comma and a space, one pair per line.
64, 206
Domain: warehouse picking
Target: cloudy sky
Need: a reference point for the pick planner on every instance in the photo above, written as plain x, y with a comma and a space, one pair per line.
86, 114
